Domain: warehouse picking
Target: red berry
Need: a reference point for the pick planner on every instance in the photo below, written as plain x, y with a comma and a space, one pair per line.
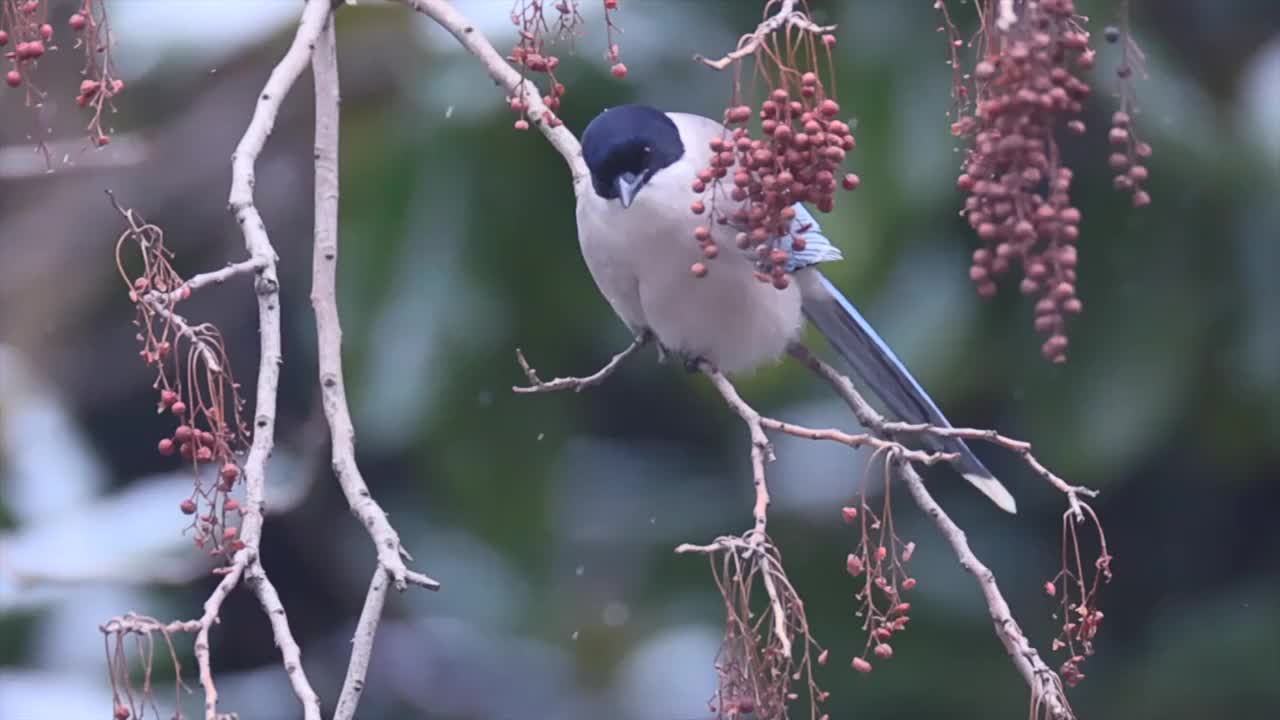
610, 4
619, 70
204, 454
165, 447
1049, 589
908, 583
853, 564
103, 140
46, 31
188, 507
884, 651
35, 49
851, 181
183, 433
76, 21
179, 408
849, 514
230, 471
859, 664
698, 269
13, 78
4, 38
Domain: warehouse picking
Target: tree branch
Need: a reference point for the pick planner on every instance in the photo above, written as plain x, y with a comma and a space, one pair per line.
391, 555
362, 646
502, 73
267, 286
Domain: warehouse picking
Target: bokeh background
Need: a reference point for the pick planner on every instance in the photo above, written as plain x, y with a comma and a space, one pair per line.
551, 519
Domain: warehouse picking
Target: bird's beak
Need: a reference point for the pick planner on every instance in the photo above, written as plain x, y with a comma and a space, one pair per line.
628, 185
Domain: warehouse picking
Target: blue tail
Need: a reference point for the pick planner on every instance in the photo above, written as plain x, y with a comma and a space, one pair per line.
872, 360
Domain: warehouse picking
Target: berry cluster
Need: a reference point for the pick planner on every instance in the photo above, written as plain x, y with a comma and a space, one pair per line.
193, 381
879, 561
1128, 152
531, 55
26, 23
795, 158
1019, 194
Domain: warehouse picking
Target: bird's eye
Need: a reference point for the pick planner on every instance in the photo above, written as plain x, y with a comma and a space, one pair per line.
647, 150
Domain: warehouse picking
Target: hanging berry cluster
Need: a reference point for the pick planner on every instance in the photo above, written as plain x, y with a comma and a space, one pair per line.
532, 56
24, 25
1026, 85
1128, 153
794, 157
1019, 192
99, 83
193, 382
879, 564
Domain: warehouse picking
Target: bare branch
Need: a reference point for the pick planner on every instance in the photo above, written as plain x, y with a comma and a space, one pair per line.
391, 555
362, 646
260, 250
1046, 687
786, 15
576, 384
496, 65
217, 277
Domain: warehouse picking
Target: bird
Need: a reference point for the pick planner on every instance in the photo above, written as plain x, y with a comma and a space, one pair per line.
636, 233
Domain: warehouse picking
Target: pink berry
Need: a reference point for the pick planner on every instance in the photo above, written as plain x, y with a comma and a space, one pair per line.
522, 124
619, 70
179, 408
4, 38
46, 31
76, 21
188, 507
861, 665
165, 447
13, 78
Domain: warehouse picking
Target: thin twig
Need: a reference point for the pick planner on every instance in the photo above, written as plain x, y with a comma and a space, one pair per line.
787, 15
576, 384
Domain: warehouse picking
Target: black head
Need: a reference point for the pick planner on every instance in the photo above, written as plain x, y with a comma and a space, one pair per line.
624, 146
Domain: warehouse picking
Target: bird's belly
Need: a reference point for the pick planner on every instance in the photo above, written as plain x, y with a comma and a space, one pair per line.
727, 317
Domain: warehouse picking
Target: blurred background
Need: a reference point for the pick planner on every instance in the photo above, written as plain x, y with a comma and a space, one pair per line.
551, 519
